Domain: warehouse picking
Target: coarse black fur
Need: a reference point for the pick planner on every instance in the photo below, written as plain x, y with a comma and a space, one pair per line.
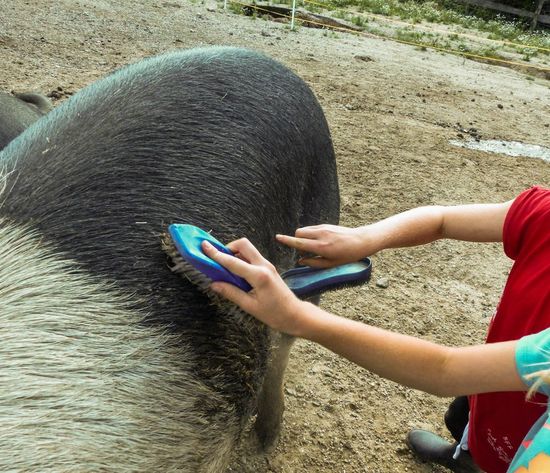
222, 138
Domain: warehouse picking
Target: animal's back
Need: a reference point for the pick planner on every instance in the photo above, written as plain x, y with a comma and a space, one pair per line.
222, 138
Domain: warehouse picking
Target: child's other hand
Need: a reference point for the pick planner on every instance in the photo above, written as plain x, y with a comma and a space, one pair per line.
325, 246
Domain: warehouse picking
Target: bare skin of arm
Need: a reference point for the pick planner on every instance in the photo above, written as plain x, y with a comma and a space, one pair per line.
331, 245
410, 361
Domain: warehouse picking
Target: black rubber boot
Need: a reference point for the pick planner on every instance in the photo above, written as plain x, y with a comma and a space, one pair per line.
429, 447
456, 417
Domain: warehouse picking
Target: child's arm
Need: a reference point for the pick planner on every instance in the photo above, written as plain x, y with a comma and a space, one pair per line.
333, 245
414, 362
407, 360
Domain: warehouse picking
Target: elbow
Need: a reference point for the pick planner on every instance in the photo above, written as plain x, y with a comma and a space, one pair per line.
439, 217
438, 376
449, 380
432, 219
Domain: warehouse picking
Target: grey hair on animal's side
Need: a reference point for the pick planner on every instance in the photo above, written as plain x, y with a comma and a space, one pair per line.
4, 174
84, 386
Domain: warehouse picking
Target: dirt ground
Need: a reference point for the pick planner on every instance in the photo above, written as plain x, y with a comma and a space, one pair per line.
392, 110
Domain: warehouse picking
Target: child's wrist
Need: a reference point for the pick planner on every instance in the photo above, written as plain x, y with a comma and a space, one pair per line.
305, 315
369, 243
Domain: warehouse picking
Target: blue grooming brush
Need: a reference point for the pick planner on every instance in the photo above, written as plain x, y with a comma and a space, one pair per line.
187, 240
305, 281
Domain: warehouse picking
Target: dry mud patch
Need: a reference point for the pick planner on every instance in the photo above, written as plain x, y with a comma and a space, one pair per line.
391, 117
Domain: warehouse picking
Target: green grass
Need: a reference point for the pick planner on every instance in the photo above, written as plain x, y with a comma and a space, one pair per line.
450, 13
359, 20
452, 43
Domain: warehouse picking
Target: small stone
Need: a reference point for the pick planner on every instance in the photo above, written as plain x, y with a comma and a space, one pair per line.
364, 58
383, 283
500, 106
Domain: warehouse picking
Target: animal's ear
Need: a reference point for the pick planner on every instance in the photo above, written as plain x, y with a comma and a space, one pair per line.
38, 101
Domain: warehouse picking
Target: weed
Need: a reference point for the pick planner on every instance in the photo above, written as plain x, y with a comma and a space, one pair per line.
360, 21
340, 14
450, 12
235, 8
495, 26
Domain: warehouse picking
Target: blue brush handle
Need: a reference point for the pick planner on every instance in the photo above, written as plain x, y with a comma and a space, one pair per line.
188, 240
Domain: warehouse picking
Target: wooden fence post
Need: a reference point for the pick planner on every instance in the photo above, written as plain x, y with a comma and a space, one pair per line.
537, 14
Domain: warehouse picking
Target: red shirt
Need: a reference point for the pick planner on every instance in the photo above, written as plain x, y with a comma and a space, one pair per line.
500, 421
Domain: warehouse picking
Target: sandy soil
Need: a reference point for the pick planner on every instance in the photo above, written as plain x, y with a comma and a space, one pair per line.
392, 111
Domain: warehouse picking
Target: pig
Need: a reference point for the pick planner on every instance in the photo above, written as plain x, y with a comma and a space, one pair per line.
109, 361
19, 111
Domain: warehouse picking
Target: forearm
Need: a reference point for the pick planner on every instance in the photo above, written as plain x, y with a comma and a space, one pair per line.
476, 222
410, 361
407, 360
413, 227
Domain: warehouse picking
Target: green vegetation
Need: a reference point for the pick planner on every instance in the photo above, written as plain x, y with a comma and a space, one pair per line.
235, 8
359, 20
468, 26
445, 12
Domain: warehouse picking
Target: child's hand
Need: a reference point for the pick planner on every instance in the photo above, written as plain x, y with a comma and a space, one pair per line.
270, 300
328, 245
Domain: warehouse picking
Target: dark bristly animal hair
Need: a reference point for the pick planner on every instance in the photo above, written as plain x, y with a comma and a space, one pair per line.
110, 362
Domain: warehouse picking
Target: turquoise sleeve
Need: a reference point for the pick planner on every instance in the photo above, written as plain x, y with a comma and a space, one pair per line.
533, 355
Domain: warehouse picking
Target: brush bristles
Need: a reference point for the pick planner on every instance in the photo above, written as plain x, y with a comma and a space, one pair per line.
181, 267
